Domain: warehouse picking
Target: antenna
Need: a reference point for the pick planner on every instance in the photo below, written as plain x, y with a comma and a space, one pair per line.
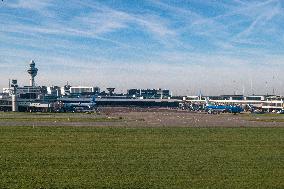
251, 88
273, 90
266, 87
234, 87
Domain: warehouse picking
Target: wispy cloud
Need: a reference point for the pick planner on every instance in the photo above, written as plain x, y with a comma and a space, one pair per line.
239, 24
190, 40
99, 20
268, 10
30, 4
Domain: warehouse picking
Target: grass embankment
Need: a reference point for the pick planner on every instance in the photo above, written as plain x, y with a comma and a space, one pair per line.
55, 117
61, 119
268, 117
88, 157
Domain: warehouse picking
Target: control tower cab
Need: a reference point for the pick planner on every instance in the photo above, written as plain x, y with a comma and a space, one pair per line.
33, 72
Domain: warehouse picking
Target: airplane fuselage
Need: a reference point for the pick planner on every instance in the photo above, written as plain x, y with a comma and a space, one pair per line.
223, 108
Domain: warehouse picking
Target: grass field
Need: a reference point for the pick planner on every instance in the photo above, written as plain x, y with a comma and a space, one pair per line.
92, 157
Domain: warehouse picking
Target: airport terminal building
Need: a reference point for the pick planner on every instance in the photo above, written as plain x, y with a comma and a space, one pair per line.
75, 98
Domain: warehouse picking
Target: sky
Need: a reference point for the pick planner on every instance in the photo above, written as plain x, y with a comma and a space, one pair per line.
211, 47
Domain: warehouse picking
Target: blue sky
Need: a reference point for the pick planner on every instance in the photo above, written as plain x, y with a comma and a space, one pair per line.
214, 46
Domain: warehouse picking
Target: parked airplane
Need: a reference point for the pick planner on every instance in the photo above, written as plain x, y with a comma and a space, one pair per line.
213, 109
79, 104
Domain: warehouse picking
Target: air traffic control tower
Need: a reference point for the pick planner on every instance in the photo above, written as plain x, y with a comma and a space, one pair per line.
33, 72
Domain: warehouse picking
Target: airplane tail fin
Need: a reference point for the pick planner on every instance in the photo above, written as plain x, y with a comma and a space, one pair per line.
207, 101
94, 99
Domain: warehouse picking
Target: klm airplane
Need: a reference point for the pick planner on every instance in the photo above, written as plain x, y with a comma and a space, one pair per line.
214, 109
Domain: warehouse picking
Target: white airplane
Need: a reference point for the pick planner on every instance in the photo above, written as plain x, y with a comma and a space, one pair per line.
81, 103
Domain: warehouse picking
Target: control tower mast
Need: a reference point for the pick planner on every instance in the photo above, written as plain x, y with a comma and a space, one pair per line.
33, 72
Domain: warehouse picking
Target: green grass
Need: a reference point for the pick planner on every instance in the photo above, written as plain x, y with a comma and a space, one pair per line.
89, 157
